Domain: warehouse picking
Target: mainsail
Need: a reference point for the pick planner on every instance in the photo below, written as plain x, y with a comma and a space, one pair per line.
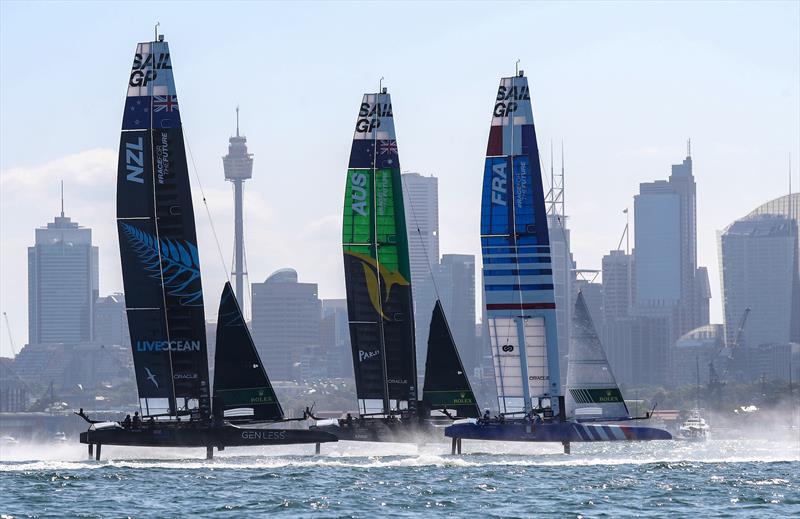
446, 384
517, 271
241, 385
376, 265
592, 390
158, 244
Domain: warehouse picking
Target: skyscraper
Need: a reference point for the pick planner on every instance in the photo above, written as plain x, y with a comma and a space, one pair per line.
63, 283
111, 321
286, 321
421, 203
456, 281
759, 270
563, 266
668, 281
618, 296
618, 284
335, 339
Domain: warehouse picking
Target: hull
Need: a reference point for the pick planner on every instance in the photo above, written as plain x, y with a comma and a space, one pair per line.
389, 431
554, 432
226, 436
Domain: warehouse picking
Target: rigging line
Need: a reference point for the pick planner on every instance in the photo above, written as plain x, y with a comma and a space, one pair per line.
205, 204
246, 277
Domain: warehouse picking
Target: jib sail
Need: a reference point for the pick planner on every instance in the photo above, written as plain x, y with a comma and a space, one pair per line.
517, 271
592, 390
241, 386
376, 265
158, 244
446, 384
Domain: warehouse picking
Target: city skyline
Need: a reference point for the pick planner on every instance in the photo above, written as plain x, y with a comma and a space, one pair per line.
625, 155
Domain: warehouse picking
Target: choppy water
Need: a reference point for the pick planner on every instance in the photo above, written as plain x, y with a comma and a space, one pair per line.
748, 478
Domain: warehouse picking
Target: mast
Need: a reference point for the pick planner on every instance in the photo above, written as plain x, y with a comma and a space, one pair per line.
381, 337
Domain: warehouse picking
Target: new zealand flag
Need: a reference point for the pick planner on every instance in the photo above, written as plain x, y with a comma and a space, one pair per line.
137, 113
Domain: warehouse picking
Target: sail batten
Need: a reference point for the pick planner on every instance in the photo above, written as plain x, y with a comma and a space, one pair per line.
158, 243
517, 275
377, 272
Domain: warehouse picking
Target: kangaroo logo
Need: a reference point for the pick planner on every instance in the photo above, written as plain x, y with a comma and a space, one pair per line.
388, 280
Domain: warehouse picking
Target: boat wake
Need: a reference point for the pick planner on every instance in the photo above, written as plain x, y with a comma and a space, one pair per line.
374, 455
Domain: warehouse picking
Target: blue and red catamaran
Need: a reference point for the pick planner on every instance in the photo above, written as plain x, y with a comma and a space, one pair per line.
519, 295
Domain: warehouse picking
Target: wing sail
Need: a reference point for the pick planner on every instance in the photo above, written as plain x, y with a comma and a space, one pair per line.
158, 243
376, 265
517, 271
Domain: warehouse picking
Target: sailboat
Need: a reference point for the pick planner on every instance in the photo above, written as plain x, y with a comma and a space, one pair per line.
164, 295
379, 296
518, 291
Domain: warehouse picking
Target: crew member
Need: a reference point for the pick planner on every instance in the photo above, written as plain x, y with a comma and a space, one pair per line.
126, 423
137, 420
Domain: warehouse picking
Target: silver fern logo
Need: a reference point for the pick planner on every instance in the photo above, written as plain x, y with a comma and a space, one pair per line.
175, 262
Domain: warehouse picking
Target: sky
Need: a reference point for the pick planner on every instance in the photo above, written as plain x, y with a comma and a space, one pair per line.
622, 84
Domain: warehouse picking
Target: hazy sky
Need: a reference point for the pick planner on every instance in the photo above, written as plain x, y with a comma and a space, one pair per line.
622, 84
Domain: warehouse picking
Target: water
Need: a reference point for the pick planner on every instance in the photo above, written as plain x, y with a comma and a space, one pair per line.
728, 478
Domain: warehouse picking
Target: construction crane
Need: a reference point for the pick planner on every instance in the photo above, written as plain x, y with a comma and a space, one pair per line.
10, 336
715, 381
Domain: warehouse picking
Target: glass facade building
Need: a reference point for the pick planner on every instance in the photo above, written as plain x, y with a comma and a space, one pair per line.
63, 283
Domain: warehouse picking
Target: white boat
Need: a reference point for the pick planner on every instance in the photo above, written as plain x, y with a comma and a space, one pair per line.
694, 428
8, 440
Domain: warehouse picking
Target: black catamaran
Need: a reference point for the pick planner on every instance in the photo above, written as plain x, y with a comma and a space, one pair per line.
379, 296
164, 296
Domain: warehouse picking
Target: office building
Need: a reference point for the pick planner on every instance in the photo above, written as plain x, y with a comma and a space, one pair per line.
335, 339
563, 266
111, 320
421, 203
455, 279
667, 278
618, 284
759, 271
63, 283
286, 323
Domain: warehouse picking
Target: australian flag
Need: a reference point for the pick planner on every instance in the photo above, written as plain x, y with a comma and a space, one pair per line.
364, 151
165, 112
137, 113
